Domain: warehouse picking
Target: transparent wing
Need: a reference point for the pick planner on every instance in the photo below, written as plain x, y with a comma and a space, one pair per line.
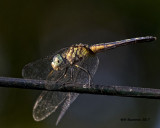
40, 68
46, 104
90, 64
79, 76
69, 100
48, 101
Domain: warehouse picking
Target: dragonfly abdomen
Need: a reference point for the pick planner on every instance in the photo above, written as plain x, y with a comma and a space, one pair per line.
105, 46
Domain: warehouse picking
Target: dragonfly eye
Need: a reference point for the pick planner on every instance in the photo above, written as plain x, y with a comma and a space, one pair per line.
57, 61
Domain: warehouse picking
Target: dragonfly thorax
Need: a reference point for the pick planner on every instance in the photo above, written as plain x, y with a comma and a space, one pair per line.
76, 53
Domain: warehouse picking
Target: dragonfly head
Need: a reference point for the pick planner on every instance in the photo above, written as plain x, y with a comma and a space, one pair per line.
57, 62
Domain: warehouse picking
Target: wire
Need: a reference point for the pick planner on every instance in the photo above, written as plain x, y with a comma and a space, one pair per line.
124, 91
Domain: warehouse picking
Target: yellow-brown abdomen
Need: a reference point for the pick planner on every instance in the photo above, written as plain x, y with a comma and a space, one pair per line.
105, 46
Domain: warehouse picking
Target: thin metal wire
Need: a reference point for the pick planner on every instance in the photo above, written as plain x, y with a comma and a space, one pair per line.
124, 91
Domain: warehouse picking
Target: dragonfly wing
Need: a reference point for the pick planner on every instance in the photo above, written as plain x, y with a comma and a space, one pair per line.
41, 68
38, 69
79, 76
47, 103
69, 100
90, 64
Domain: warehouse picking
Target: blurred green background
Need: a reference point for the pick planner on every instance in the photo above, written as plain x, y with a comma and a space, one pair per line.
30, 30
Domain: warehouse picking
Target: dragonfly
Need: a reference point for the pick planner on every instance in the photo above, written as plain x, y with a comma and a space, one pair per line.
76, 64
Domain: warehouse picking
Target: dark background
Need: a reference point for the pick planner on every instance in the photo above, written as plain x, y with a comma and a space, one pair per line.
31, 29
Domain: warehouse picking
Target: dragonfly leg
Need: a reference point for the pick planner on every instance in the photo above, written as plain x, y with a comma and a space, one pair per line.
72, 70
62, 75
89, 75
49, 75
